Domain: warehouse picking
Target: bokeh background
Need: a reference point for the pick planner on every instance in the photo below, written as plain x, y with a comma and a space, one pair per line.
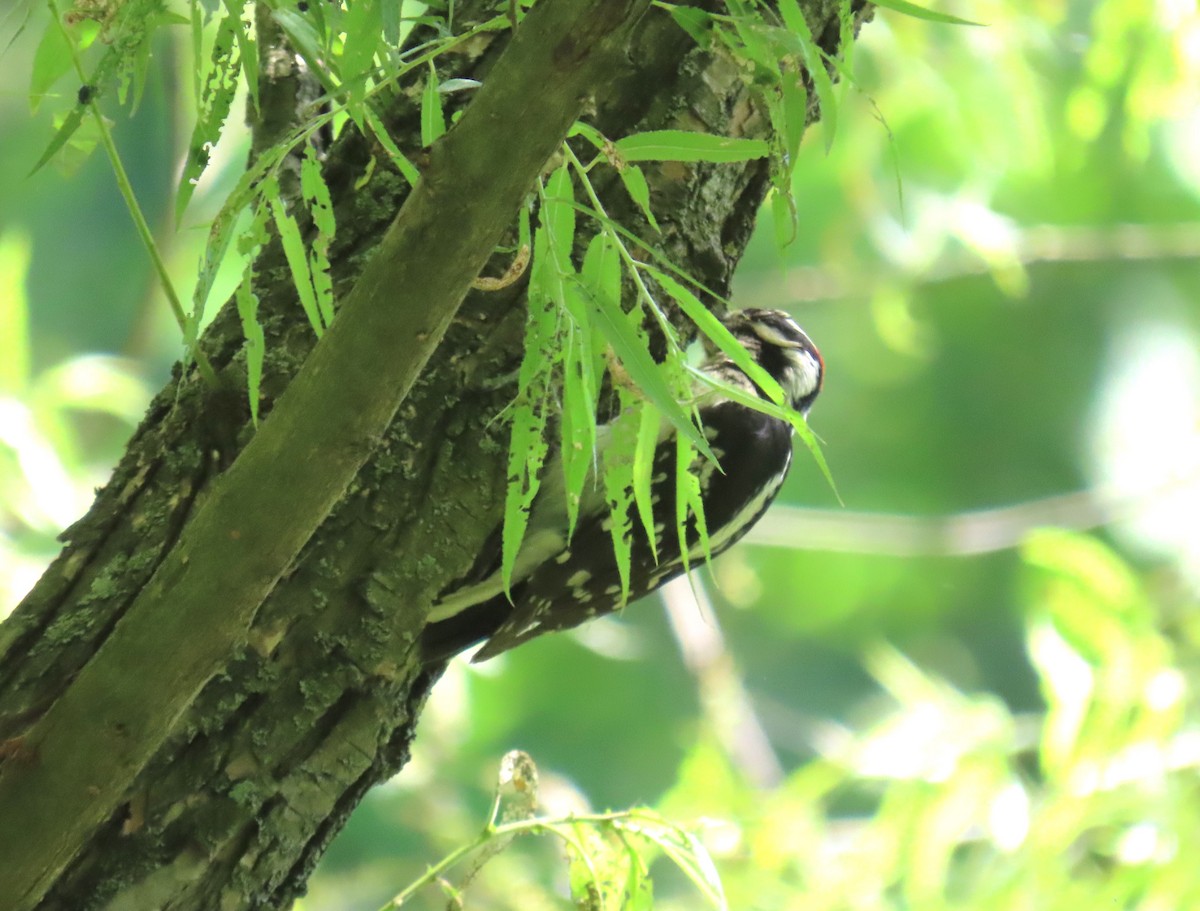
970, 683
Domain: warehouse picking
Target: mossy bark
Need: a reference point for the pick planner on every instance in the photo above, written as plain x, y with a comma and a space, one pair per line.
202, 686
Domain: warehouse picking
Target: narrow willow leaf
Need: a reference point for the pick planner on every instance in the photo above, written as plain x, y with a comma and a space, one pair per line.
391, 12
527, 441
252, 240
583, 370
793, 114
363, 26
643, 473
197, 49
320, 206
814, 62
684, 482
715, 330
695, 22
750, 29
630, 344
433, 121
590, 133
578, 426
216, 97
255, 182
784, 218
256, 345
61, 137
639, 191
619, 457
920, 12
558, 217
297, 258
308, 43
406, 168
690, 855
602, 269
601, 273
681, 145
795, 419
51, 61
247, 50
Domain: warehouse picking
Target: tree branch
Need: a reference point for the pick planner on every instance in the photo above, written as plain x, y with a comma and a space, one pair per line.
267, 505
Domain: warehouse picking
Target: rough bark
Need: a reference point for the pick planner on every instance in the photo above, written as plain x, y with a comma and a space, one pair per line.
316, 691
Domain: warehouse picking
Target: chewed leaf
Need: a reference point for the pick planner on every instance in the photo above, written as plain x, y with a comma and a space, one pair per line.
643, 473
619, 457
247, 306
320, 207
297, 259
814, 63
527, 443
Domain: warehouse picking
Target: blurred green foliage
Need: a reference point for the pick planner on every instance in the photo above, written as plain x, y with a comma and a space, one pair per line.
925, 699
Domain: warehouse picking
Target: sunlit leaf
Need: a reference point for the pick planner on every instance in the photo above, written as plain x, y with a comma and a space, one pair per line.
920, 12
216, 97
681, 145
433, 121
320, 206
297, 259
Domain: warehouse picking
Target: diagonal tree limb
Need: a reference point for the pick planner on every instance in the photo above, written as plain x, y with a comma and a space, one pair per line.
265, 507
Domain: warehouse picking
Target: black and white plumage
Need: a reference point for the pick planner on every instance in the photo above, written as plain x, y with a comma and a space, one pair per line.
558, 584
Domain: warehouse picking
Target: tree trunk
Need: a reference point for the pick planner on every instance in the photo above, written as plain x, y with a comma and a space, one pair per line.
229, 798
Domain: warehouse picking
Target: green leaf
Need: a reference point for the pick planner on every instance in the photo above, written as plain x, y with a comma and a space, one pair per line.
256, 345
795, 419
308, 43
720, 336
216, 98
681, 145
639, 191
61, 136
559, 217
363, 26
643, 473
784, 218
695, 22
391, 10
920, 12
792, 114
433, 121
630, 345
527, 440
688, 500
620, 456
406, 168
247, 50
51, 61
320, 206
578, 424
297, 258
590, 133
814, 63
686, 851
